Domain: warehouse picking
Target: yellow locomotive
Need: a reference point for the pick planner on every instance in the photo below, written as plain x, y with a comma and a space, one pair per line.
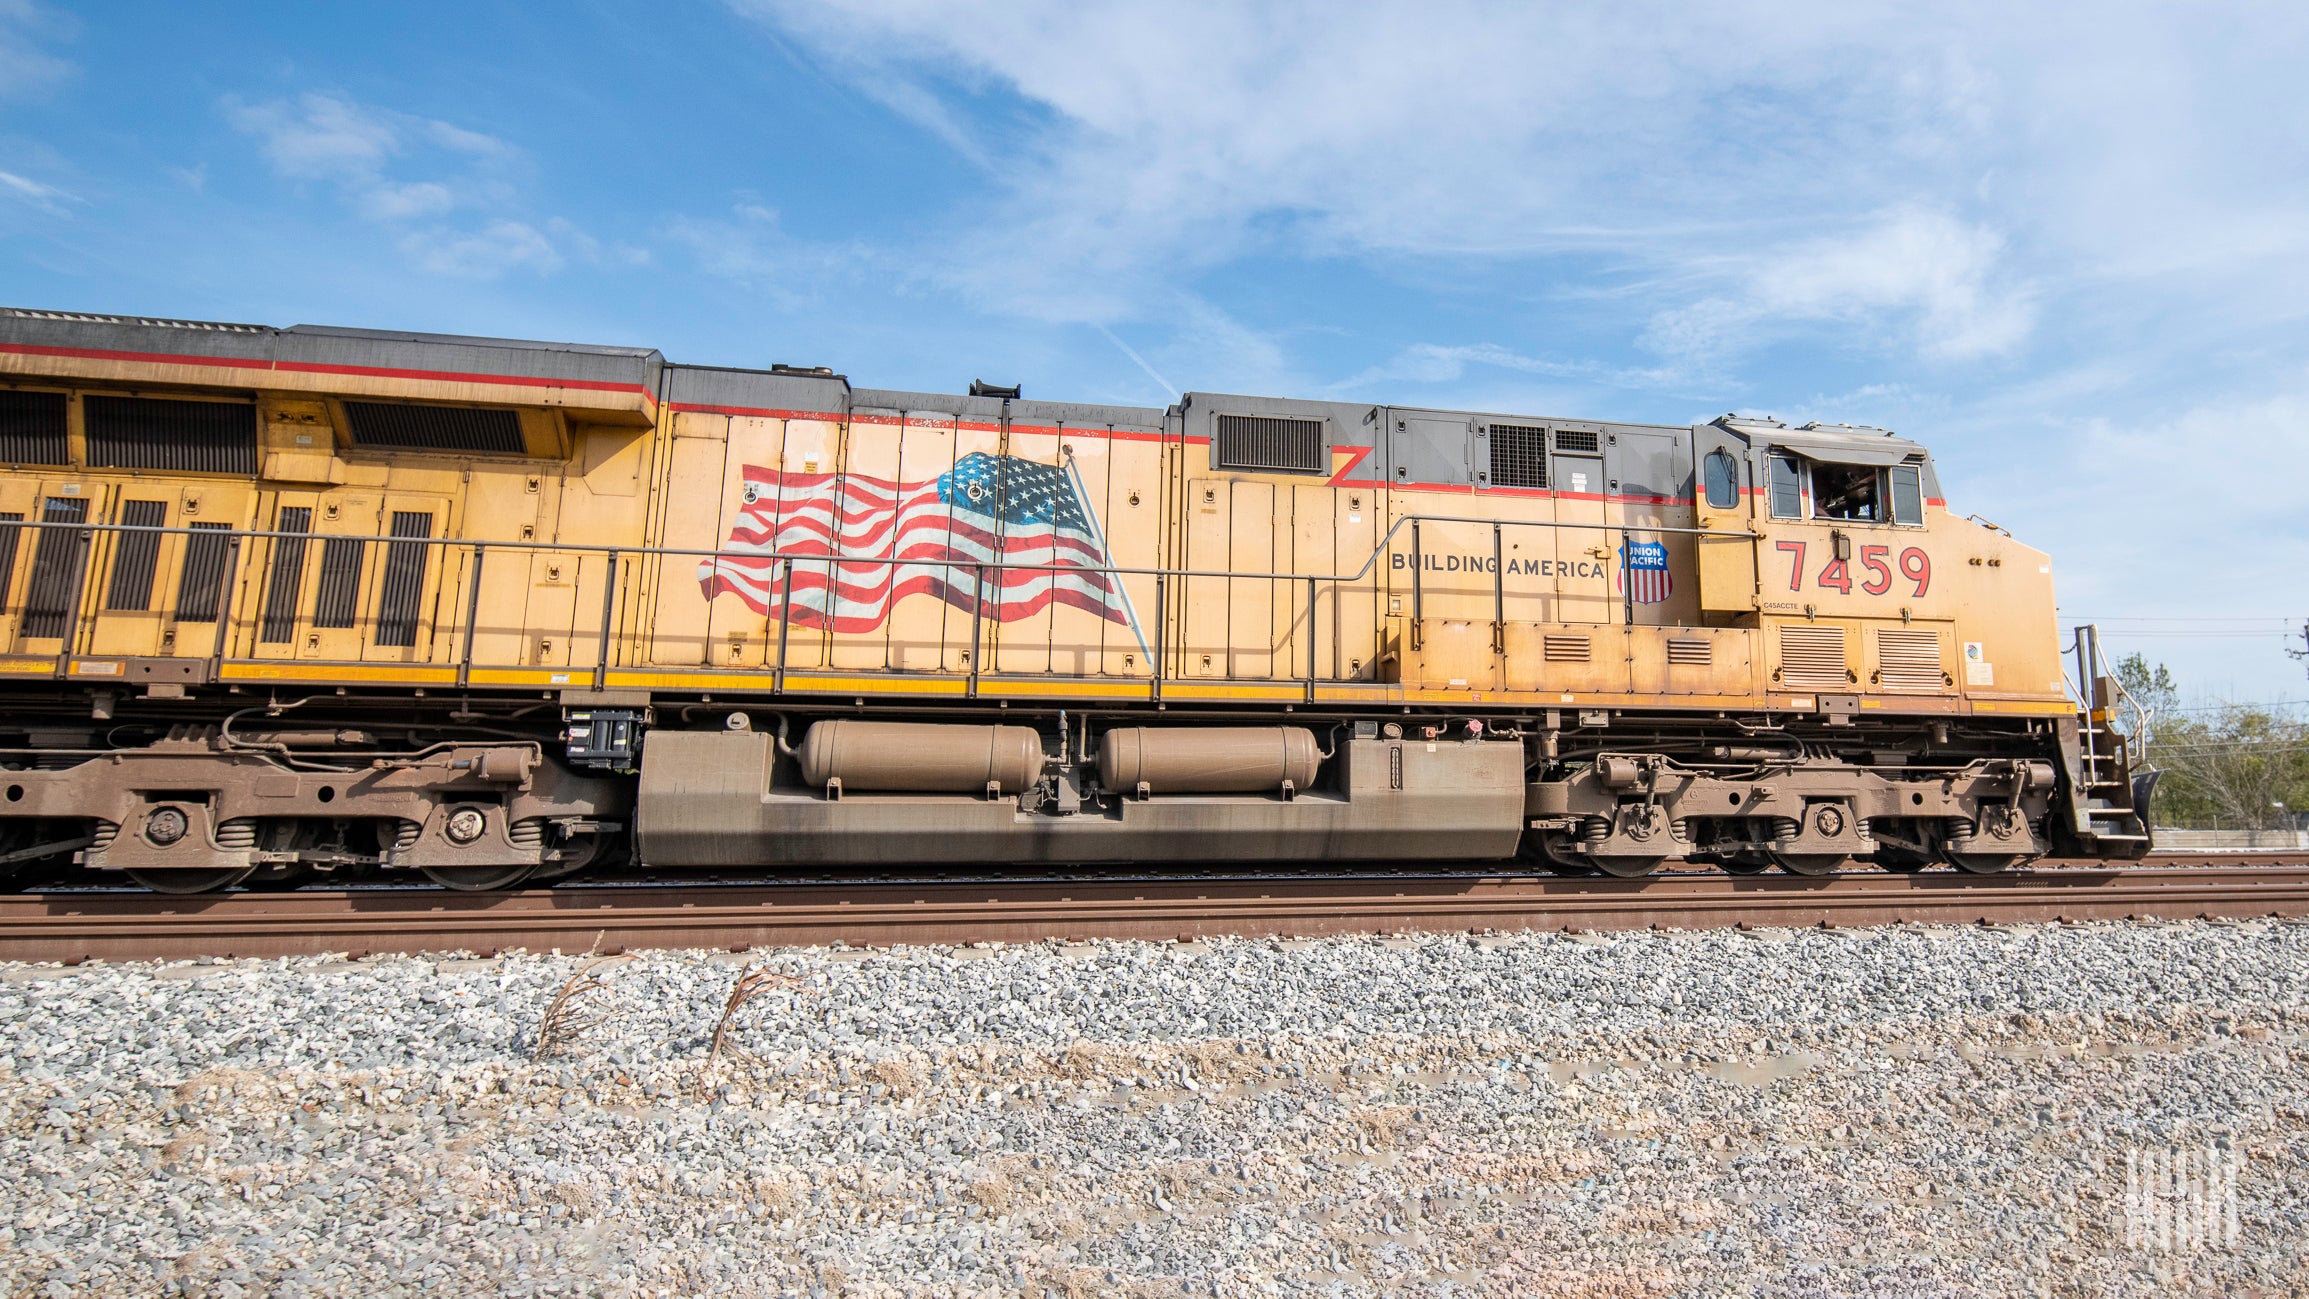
287, 601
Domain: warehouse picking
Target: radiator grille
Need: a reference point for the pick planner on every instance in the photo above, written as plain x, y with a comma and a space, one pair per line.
55, 568
1909, 659
288, 577
435, 428
1575, 440
1813, 658
1518, 456
197, 585
1257, 442
1691, 653
404, 587
135, 556
340, 591
207, 437
11, 527
32, 428
1564, 649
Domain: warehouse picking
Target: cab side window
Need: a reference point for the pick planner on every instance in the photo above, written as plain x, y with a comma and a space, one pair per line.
1787, 488
1907, 495
1853, 492
1723, 480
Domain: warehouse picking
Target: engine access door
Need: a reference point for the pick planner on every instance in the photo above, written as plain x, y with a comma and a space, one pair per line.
1725, 501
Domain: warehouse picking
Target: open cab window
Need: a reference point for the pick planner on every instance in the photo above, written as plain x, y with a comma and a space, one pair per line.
1853, 492
1847, 493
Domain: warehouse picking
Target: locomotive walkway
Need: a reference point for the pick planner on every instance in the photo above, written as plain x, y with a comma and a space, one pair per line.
116, 926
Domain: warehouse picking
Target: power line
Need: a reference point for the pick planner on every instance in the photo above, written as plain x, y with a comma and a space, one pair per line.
2186, 617
2226, 705
2216, 750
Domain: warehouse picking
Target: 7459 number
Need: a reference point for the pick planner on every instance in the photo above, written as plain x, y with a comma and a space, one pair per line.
1836, 574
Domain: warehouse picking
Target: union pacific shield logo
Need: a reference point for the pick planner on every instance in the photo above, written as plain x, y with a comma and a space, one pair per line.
1644, 566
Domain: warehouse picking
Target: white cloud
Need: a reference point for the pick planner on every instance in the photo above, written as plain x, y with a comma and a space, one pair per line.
1922, 176
23, 189
1441, 363
321, 137
26, 70
751, 247
499, 247
1935, 281
457, 219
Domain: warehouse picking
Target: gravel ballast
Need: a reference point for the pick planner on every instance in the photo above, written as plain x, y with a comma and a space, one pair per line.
1904, 1111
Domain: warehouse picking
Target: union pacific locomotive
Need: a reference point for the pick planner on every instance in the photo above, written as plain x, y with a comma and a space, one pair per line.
286, 603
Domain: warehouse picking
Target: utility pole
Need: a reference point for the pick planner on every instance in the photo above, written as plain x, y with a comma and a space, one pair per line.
2303, 652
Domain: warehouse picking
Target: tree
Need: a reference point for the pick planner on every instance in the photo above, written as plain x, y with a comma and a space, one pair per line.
2226, 764
2153, 689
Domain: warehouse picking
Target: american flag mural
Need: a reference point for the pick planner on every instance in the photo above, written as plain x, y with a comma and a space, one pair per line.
986, 508
1644, 569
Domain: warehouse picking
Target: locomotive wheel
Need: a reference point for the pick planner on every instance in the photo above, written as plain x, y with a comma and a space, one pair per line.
1808, 863
479, 879
183, 882
1901, 863
1629, 868
279, 879
1987, 863
595, 850
1549, 847
1744, 863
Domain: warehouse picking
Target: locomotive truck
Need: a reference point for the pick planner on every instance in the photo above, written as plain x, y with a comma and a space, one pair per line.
278, 603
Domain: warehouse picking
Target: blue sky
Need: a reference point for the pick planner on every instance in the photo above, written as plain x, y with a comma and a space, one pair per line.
2065, 245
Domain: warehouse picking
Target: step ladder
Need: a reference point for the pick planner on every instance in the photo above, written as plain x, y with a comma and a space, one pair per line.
2109, 801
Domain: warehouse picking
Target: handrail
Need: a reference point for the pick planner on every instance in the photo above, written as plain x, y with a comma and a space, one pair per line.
230, 611
584, 548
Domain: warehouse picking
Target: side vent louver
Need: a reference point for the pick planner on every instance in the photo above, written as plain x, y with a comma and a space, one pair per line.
9, 532
1564, 649
400, 602
401, 426
1691, 653
279, 626
136, 555
1812, 658
202, 437
340, 589
1518, 456
1279, 445
1575, 440
32, 428
198, 583
1909, 660
55, 568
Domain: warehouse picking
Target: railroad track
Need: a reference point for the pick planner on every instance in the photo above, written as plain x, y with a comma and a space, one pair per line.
80, 926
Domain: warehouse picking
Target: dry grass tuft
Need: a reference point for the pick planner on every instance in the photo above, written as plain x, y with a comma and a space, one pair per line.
902, 1076
752, 981
1388, 1125
992, 1190
583, 1003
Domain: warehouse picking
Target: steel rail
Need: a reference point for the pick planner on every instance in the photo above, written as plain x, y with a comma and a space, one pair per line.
73, 927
